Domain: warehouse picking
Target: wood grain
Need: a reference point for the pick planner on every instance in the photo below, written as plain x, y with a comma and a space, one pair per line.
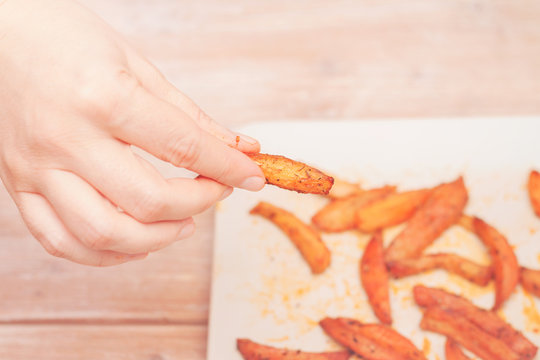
102, 342
247, 61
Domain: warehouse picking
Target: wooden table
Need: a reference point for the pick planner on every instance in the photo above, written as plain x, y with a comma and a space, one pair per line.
249, 61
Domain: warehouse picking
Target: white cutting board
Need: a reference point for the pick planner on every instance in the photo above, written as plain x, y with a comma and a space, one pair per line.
263, 290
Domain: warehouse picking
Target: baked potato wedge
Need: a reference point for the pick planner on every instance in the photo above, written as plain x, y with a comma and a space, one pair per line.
339, 215
452, 351
530, 280
304, 237
467, 334
391, 210
442, 209
534, 191
505, 264
253, 351
487, 321
374, 277
292, 175
455, 264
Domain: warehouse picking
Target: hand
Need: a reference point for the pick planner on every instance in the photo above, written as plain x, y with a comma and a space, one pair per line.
74, 97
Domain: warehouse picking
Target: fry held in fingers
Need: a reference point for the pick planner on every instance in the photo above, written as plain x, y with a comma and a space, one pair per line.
534, 191
530, 280
487, 321
467, 269
339, 215
374, 277
391, 210
253, 351
292, 175
442, 209
305, 238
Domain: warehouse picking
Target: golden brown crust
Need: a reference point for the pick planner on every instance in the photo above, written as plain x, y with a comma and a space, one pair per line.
534, 191
253, 351
455, 264
374, 278
339, 215
441, 210
292, 175
392, 210
307, 240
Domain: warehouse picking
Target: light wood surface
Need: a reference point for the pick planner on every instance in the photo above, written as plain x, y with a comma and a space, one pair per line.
249, 61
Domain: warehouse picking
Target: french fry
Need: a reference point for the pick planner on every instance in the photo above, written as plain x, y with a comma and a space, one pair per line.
368, 348
487, 321
338, 215
467, 334
442, 209
342, 189
452, 351
374, 277
505, 265
391, 210
466, 222
534, 191
530, 280
292, 175
385, 336
467, 269
254, 351
307, 240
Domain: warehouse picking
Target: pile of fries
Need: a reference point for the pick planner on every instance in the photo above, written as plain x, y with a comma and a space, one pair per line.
427, 213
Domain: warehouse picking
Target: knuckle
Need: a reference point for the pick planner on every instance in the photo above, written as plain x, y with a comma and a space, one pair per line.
184, 150
99, 236
150, 206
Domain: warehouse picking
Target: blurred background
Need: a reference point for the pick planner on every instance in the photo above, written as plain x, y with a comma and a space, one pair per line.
244, 61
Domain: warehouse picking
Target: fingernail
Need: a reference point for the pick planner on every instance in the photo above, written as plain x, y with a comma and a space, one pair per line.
253, 183
187, 231
226, 193
247, 139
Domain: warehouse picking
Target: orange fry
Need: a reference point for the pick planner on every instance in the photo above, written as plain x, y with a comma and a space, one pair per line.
505, 265
392, 210
467, 334
534, 191
342, 189
530, 280
292, 175
252, 351
466, 222
307, 240
374, 278
371, 342
487, 321
442, 209
469, 270
339, 214
452, 351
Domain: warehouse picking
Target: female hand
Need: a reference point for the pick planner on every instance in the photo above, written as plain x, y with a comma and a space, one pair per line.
74, 97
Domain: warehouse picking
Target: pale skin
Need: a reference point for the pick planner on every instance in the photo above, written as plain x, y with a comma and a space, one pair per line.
74, 97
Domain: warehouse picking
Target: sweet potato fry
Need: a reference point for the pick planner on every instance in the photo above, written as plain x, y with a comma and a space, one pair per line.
530, 280
467, 269
254, 351
487, 321
467, 334
342, 189
307, 240
385, 336
392, 210
466, 222
534, 191
452, 351
292, 175
339, 214
374, 277
364, 346
505, 265
442, 209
